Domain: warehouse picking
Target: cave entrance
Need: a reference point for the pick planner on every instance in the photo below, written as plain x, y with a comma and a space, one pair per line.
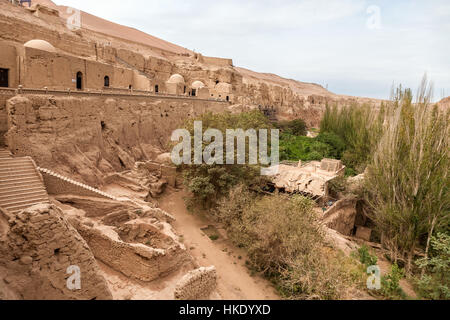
4, 78
156, 89
79, 80
194, 92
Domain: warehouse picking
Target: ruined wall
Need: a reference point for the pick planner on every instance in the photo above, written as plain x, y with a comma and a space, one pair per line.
135, 260
36, 249
341, 216
197, 284
56, 184
84, 138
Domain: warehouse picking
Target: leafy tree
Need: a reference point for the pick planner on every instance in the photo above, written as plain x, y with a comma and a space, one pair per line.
407, 182
208, 183
295, 127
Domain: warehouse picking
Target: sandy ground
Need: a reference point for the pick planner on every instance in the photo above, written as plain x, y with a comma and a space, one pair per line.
234, 279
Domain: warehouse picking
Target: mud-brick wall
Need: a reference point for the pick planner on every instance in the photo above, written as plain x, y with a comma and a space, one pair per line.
55, 185
134, 260
197, 284
37, 268
341, 216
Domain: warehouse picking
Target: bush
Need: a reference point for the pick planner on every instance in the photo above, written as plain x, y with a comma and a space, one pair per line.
325, 145
296, 148
285, 241
337, 144
390, 283
435, 283
365, 257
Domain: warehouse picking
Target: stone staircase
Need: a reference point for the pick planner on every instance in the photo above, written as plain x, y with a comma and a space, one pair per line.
21, 185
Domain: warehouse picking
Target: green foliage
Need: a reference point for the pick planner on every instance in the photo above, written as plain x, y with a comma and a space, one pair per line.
208, 183
295, 127
356, 130
365, 257
407, 181
302, 148
390, 283
350, 172
326, 145
284, 240
336, 143
435, 284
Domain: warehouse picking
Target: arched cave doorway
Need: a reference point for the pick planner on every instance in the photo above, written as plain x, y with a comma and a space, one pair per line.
156, 88
194, 92
106, 81
79, 80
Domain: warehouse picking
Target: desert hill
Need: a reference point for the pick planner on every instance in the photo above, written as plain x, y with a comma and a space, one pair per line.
99, 25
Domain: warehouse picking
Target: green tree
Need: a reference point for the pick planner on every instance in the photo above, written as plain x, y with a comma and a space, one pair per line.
296, 127
407, 182
208, 183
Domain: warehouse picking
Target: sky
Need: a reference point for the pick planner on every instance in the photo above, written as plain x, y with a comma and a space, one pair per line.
353, 47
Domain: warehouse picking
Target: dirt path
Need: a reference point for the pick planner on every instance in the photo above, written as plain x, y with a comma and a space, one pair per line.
234, 279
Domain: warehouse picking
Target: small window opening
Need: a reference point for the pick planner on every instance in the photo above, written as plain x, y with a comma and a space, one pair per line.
79, 80
4, 78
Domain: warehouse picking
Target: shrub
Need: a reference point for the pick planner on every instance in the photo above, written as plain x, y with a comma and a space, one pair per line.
336, 142
435, 283
390, 283
303, 148
285, 241
365, 257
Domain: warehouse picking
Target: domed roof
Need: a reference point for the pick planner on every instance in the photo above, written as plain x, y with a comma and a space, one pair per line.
198, 85
223, 87
40, 44
176, 78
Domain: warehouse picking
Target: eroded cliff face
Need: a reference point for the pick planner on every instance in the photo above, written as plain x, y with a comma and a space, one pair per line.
86, 138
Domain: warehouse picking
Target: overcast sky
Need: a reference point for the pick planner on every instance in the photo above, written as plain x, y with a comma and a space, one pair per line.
356, 47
